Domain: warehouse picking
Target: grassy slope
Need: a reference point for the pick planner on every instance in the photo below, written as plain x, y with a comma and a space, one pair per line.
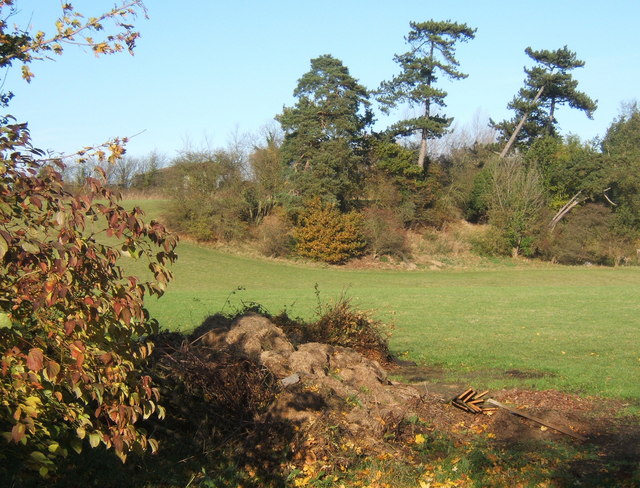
580, 326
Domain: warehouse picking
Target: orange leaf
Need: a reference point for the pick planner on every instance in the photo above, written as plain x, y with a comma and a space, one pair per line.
17, 432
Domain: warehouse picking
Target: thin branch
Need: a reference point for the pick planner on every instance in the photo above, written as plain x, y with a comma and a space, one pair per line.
67, 38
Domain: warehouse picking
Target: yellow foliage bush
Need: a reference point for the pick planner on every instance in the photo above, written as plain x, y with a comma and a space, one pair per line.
325, 234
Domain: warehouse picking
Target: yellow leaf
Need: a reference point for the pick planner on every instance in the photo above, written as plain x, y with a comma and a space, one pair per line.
94, 439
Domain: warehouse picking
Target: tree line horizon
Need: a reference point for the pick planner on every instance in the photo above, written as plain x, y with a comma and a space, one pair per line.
520, 176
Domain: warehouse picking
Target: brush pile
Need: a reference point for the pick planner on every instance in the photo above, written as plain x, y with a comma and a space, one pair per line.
244, 385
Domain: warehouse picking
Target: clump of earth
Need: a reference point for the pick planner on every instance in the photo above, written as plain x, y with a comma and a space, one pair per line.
311, 398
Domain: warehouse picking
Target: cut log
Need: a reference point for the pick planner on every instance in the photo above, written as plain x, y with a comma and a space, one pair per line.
464, 394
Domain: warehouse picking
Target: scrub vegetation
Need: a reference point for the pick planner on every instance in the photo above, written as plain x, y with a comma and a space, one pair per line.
336, 287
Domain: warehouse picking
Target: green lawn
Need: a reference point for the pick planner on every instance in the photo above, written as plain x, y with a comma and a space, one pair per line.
572, 328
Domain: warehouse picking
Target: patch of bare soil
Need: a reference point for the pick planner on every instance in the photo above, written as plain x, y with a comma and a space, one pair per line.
611, 451
307, 400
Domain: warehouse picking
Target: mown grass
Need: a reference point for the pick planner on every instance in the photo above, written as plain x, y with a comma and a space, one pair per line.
576, 329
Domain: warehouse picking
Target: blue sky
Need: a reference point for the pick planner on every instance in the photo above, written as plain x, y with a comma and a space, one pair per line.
204, 70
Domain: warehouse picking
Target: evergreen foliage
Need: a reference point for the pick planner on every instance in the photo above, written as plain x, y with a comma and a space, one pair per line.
325, 133
552, 74
432, 55
621, 145
568, 167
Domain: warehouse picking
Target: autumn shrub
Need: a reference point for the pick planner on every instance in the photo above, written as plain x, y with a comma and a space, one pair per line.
325, 234
442, 212
73, 323
274, 235
342, 324
339, 323
384, 233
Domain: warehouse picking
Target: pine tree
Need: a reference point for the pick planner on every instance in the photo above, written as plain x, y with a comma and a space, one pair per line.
325, 137
548, 85
432, 54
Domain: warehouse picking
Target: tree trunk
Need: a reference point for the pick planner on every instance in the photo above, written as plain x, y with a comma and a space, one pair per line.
564, 210
551, 114
423, 147
512, 139
427, 113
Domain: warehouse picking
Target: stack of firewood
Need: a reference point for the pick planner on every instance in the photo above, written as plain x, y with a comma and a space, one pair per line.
472, 402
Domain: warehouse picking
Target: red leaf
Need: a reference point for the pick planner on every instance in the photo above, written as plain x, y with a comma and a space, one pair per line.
35, 359
126, 315
117, 307
69, 325
106, 358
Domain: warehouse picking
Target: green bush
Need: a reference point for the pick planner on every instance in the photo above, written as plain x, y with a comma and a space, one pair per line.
325, 234
209, 196
477, 205
516, 209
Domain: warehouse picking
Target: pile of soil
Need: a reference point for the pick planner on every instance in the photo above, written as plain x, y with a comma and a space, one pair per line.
245, 381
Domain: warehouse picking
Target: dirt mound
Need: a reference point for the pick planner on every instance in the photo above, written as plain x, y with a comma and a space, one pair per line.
244, 389
314, 376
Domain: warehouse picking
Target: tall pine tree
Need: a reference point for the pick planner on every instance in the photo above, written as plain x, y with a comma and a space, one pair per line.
432, 54
551, 81
325, 132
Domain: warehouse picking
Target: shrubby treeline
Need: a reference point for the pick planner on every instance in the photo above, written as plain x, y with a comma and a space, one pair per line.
327, 186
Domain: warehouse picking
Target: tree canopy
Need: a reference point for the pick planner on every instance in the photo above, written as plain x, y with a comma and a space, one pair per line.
551, 81
432, 54
324, 131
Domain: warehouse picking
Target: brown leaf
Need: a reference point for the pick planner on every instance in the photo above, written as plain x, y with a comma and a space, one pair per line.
53, 369
17, 432
35, 359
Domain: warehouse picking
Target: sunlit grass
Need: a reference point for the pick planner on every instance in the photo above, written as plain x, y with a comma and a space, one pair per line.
572, 328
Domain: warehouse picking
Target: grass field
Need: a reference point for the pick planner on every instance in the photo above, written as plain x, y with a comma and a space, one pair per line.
572, 328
